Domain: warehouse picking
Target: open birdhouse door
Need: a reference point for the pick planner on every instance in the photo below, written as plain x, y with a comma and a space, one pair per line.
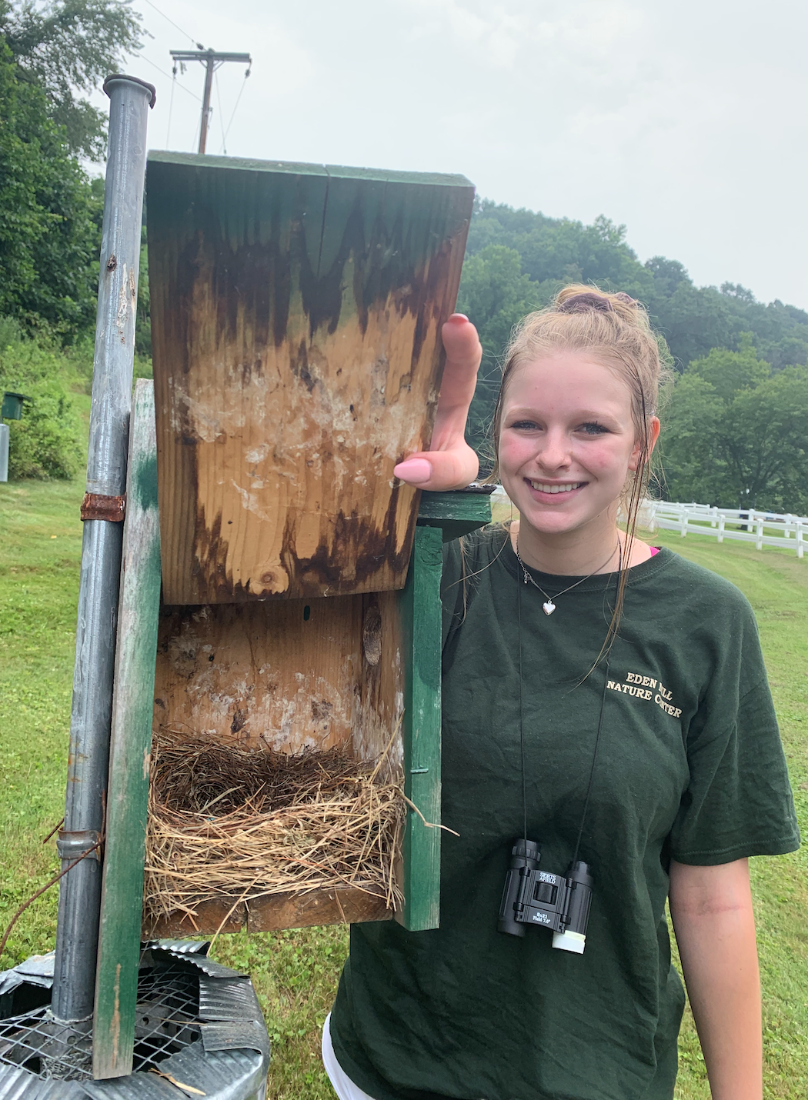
295, 762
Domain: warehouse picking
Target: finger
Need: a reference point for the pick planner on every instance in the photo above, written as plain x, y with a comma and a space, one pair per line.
463, 355
449, 463
440, 471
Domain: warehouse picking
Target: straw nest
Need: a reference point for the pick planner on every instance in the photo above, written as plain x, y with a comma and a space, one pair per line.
226, 824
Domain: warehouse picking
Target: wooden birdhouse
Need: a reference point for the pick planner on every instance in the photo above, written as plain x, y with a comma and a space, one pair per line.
296, 317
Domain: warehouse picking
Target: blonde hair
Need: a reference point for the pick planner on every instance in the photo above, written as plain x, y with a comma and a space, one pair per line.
614, 330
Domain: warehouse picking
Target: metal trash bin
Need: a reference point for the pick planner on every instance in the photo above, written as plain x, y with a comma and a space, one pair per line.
199, 1030
11, 408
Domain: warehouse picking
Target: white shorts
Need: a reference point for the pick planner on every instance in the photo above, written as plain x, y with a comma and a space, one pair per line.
342, 1084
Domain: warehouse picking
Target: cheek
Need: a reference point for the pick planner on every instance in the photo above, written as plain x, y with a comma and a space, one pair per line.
514, 451
606, 460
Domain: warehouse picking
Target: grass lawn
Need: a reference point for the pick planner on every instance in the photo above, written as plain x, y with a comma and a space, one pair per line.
296, 972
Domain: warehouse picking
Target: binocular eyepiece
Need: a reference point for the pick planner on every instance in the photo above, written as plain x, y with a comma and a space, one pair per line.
560, 903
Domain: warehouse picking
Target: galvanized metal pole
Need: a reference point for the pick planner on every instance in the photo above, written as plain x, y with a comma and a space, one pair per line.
80, 893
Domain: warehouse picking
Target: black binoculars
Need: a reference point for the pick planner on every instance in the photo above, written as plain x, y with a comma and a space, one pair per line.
560, 903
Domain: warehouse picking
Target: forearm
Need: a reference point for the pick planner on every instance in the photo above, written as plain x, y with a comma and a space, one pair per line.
716, 937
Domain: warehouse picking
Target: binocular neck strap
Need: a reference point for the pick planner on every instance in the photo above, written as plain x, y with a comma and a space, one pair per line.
522, 731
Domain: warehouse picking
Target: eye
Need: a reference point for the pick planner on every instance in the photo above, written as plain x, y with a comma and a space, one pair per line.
593, 428
524, 425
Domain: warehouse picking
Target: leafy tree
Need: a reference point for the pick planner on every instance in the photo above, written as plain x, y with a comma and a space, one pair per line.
143, 345
50, 213
497, 294
49, 440
560, 250
693, 319
67, 47
736, 434
668, 275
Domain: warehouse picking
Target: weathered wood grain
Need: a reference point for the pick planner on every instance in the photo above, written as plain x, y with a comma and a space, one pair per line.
282, 911
296, 315
127, 797
420, 611
287, 676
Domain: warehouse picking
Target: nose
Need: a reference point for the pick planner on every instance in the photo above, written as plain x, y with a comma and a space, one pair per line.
554, 451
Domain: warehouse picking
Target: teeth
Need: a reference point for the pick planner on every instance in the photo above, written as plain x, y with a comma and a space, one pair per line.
542, 488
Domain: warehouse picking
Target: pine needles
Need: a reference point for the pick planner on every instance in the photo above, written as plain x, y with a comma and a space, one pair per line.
227, 824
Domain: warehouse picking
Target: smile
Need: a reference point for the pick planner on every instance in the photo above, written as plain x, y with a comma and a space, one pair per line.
543, 487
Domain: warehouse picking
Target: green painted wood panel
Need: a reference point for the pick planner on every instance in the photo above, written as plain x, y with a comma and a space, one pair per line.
455, 513
420, 612
128, 791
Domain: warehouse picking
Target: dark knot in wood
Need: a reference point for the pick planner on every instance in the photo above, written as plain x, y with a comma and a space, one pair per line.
372, 635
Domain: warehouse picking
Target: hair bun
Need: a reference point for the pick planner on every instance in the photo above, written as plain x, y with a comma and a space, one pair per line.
626, 299
586, 302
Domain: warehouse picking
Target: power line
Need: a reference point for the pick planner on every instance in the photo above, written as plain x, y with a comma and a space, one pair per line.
171, 21
221, 116
181, 86
235, 108
170, 109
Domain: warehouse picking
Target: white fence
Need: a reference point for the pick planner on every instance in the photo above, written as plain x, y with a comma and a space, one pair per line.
743, 525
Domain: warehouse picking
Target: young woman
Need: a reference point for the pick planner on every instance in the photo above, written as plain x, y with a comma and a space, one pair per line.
608, 701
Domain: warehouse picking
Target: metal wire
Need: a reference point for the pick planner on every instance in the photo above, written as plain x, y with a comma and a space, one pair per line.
166, 1021
221, 115
235, 108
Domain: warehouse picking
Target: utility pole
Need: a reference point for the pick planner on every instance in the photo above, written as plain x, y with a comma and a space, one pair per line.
212, 61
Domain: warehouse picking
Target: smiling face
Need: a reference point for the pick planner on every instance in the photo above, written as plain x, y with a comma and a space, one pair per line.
567, 444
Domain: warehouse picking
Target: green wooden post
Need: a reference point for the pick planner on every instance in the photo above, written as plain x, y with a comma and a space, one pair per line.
441, 517
420, 610
128, 791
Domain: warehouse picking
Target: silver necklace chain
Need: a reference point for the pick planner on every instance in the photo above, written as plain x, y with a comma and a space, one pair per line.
549, 606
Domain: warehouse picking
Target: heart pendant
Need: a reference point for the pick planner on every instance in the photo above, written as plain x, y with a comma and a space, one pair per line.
548, 607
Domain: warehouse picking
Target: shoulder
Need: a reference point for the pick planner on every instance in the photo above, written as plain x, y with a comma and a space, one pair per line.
692, 587
466, 557
706, 626
469, 565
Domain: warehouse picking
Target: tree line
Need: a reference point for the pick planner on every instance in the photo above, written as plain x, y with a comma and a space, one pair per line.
51, 57
736, 422
735, 426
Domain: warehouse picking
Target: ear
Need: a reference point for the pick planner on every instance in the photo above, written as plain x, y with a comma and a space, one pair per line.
653, 436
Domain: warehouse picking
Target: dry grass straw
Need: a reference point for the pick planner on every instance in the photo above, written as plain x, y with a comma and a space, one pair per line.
226, 824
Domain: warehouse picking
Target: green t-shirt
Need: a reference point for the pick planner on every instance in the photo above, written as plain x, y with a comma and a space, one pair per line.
690, 767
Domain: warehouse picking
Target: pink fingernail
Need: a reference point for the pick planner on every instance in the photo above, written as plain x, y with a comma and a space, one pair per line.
416, 470
457, 318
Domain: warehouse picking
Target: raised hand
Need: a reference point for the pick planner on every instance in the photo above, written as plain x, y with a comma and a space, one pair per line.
449, 463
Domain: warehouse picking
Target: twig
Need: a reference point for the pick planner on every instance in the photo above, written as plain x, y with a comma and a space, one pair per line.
176, 1083
429, 824
231, 910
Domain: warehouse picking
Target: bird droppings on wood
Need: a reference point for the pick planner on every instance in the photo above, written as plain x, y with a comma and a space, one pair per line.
299, 312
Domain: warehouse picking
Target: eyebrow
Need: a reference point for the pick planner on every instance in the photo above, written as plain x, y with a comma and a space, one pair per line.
580, 414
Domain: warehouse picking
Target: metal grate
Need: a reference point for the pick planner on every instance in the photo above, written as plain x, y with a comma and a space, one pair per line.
166, 1021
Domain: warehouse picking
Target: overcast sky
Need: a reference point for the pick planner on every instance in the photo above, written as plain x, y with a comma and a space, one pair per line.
686, 121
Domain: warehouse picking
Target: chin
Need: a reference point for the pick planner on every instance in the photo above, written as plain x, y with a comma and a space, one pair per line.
552, 525
550, 520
